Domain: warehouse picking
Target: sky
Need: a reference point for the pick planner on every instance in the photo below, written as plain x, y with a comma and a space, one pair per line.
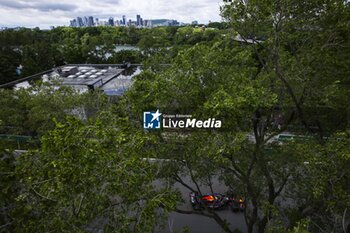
46, 13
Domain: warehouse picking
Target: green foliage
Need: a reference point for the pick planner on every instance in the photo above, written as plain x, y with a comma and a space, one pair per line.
86, 172
279, 80
218, 25
31, 111
272, 67
9, 60
7, 187
42, 50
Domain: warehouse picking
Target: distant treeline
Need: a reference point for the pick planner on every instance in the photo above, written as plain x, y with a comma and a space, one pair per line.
37, 50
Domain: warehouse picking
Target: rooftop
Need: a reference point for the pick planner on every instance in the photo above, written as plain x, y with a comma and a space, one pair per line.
112, 79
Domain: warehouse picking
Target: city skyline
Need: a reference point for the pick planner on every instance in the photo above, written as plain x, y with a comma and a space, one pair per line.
90, 21
43, 14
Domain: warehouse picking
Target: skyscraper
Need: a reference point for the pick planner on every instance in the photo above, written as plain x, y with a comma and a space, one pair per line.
91, 21
80, 22
195, 22
111, 21
73, 23
86, 21
124, 20
147, 23
138, 20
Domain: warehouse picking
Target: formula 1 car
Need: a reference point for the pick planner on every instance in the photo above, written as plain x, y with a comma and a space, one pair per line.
212, 201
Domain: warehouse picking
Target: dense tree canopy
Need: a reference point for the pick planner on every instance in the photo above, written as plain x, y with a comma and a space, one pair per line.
37, 50
271, 68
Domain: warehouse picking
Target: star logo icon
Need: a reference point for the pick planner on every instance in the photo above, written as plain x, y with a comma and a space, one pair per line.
156, 115
152, 120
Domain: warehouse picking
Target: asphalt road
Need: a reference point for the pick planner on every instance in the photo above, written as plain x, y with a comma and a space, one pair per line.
195, 223
202, 224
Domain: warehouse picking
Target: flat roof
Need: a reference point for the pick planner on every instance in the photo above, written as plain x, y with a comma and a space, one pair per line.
112, 79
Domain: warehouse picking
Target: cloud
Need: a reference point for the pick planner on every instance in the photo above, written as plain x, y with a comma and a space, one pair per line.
13, 4
45, 13
40, 6
56, 7
111, 1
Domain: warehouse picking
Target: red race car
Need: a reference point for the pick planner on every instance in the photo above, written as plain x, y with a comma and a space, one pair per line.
213, 201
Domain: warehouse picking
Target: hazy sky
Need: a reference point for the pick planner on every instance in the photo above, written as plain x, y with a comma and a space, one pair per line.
45, 13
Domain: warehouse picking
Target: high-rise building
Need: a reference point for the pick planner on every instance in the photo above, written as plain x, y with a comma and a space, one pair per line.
147, 23
124, 20
91, 21
111, 21
80, 22
86, 21
73, 23
173, 23
138, 20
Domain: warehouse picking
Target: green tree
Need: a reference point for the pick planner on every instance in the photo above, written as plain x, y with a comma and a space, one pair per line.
259, 90
87, 176
9, 61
